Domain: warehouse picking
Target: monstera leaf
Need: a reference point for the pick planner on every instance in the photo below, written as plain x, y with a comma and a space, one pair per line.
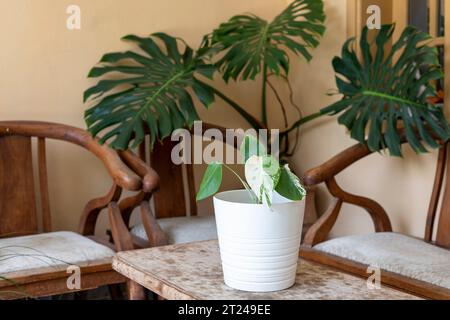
386, 91
262, 174
148, 91
253, 44
289, 185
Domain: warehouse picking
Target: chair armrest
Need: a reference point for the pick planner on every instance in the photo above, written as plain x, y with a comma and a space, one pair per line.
335, 165
122, 175
150, 179
326, 173
342, 161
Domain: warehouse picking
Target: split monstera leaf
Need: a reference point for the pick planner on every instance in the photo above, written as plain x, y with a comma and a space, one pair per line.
263, 174
387, 89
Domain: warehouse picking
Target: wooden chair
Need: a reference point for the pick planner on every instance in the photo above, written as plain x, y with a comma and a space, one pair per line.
174, 218
34, 264
421, 267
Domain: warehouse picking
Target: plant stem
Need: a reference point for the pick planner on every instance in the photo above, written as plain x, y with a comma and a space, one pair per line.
247, 116
246, 186
264, 96
303, 121
280, 102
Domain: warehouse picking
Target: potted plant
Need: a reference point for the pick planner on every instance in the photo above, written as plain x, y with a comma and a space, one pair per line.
260, 227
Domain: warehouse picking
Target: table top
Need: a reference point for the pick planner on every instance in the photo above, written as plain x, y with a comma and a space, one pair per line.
193, 272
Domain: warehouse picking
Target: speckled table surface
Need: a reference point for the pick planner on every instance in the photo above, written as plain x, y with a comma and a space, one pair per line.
193, 272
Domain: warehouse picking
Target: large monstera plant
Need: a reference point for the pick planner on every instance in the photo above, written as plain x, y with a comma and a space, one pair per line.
388, 90
252, 46
386, 86
154, 89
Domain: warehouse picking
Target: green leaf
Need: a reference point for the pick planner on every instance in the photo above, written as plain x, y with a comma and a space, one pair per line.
289, 185
386, 88
149, 92
249, 42
211, 181
250, 147
204, 93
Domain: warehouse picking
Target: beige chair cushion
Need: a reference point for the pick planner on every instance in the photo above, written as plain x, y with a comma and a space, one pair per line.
396, 253
50, 252
183, 229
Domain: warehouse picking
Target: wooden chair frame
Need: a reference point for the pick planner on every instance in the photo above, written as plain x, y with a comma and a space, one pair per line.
320, 231
163, 167
127, 171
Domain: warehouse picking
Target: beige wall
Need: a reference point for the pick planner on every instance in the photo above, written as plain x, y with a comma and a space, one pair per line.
44, 69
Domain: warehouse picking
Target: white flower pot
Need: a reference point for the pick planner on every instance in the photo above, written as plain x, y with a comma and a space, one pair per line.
259, 246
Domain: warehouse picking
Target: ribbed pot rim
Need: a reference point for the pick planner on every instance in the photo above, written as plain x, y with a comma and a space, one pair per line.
226, 195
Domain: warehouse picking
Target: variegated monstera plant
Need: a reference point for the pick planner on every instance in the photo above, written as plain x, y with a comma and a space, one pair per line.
263, 173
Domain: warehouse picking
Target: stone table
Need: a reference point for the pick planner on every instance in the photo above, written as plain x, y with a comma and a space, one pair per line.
193, 272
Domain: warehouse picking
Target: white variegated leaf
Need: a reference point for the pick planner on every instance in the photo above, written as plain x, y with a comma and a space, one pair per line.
262, 175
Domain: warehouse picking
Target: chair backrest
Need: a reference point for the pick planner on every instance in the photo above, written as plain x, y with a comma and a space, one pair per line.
176, 194
439, 220
18, 195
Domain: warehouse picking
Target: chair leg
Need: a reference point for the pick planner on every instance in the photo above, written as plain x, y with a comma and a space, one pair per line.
115, 291
135, 291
